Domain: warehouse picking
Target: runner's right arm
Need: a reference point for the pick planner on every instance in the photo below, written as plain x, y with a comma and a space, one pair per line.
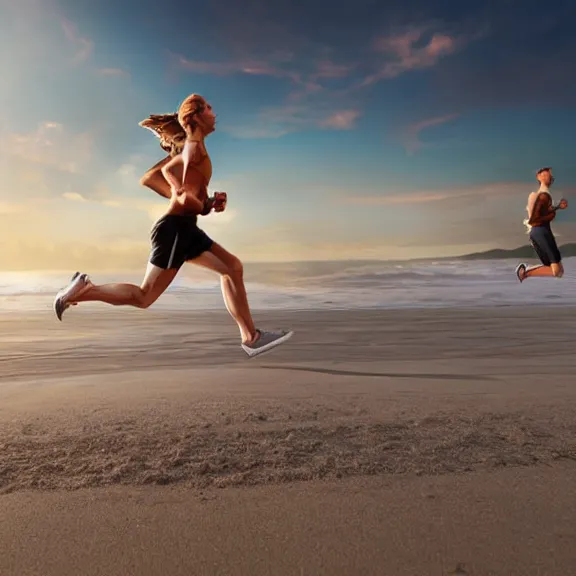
155, 180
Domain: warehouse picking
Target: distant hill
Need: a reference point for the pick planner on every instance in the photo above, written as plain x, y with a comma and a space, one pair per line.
522, 253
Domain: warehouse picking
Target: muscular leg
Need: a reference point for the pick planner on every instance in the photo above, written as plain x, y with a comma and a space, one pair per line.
155, 180
233, 290
556, 270
155, 283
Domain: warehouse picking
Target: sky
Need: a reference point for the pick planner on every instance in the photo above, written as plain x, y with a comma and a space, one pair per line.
371, 130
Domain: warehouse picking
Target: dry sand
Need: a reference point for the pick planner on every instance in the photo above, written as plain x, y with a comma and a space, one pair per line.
390, 443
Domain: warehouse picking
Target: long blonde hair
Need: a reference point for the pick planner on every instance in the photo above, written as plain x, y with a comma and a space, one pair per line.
167, 128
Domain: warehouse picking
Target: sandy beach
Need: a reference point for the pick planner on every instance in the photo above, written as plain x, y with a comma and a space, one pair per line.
417, 442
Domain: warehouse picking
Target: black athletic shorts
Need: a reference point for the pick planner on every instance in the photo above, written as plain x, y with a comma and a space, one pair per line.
544, 244
176, 239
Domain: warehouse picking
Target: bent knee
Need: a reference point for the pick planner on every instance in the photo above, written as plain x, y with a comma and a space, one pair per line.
144, 300
557, 270
234, 267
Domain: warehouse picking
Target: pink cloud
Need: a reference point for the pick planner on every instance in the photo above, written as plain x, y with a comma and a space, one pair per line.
250, 67
341, 120
279, 65
304, 91
440, 45
320, 85
406, 52
298, 116
83, 46
400, 44
306, 86
329, 69
277, 121
411, 136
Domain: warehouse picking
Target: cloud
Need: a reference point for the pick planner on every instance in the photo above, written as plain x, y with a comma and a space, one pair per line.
306, 74
308, 101
302, 115
83, 50
410, 50
250, 67
277, 121
83, 47
474, 193
50, 145
342, 120
412, 142
307, 77
329, 69
321, 82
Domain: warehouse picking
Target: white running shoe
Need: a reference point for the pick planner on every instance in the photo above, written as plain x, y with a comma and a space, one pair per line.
266, 342
78, 284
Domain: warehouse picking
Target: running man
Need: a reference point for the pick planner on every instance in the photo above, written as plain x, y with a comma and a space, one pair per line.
176, 238
541, 211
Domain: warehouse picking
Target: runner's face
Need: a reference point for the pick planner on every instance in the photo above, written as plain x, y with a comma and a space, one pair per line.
546, 178
208, 117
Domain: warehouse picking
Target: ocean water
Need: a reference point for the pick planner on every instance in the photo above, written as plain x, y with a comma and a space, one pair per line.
326, 285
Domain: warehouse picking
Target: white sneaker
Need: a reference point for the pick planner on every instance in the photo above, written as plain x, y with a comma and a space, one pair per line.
78, 284
266, 342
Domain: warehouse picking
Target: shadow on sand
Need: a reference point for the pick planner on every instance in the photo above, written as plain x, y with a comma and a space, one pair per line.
425, 376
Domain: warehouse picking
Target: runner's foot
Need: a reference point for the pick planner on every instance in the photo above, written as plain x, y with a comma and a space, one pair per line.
521, 272
78, 285
265, 341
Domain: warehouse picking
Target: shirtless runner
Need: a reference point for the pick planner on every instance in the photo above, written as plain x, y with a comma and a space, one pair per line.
176, 237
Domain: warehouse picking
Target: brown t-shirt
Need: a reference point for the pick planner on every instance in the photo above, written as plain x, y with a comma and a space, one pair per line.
543, 212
